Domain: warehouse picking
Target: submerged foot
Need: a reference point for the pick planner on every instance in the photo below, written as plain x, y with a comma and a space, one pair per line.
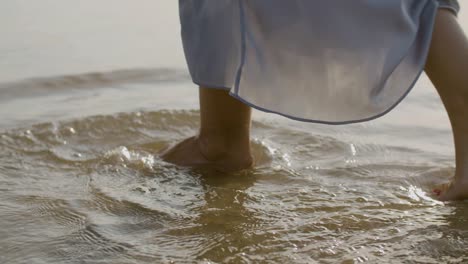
455, 190
192, 153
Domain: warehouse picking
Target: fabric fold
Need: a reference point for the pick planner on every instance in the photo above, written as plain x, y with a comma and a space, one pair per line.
332, 62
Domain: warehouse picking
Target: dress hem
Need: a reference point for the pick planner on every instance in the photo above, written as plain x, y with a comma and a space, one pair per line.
234, 91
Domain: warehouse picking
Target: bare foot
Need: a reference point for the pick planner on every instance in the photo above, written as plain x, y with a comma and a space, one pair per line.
455, 190
191, 153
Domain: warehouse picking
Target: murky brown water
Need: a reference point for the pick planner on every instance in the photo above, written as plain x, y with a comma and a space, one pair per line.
92, 190
81, 182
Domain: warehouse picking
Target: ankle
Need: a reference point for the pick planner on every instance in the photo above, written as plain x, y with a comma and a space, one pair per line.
215, 147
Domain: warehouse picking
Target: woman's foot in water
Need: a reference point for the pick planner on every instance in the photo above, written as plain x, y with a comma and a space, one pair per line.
196, 153
223, 142
455, 190
446, 67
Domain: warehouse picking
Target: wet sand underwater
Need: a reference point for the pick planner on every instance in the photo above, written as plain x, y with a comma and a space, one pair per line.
91, 91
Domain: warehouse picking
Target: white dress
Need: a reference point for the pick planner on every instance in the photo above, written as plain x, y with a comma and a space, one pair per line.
334, 61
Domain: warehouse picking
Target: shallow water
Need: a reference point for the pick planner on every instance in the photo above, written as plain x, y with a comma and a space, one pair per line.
81, 181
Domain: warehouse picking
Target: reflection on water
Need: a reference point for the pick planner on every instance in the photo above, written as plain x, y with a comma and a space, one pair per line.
93, 190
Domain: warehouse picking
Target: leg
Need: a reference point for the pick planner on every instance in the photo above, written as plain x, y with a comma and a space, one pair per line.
224, 138
447, 67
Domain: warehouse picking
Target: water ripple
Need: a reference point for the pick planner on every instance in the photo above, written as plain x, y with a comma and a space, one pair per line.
94, 188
